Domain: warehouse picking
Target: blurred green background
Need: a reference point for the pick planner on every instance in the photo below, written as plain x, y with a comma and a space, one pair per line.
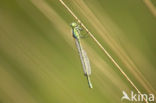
39, 62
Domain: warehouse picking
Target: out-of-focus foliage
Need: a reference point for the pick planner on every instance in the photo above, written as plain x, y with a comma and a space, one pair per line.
39, 62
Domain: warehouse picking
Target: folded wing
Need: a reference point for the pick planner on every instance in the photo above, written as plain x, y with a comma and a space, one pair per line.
84, 59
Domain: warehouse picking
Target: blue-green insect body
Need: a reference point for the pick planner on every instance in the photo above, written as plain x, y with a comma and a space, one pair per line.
83, 56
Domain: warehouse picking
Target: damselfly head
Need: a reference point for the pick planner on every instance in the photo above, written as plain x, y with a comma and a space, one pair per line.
73, 24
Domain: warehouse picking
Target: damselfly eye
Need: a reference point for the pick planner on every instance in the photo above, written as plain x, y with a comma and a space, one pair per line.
73, 24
